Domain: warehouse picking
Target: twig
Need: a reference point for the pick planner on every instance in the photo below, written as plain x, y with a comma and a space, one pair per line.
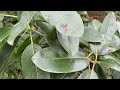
8, 15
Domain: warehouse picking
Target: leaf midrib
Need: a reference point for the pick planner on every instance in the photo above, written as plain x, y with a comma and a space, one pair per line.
64, 58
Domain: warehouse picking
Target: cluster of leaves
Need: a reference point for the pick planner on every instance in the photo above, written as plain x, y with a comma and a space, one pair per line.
59, 45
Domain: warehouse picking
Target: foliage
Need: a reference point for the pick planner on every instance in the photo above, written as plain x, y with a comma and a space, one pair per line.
59, 45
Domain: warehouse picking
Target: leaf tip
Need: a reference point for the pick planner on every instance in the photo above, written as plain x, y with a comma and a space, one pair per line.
10, 42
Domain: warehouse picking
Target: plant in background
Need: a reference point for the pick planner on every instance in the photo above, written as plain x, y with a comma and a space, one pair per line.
59, 45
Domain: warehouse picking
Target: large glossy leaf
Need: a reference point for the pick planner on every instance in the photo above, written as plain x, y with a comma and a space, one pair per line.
70, 44
26, 17
66, 22
30, 71
57, 60
4, 32
91, 35
88, 74
109, 24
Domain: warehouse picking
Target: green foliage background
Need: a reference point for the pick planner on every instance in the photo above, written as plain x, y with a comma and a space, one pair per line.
59, 45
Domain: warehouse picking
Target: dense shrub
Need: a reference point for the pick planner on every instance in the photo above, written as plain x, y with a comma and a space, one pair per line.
59, 45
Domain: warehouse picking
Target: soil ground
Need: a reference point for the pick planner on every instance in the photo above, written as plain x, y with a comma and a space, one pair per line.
99, 15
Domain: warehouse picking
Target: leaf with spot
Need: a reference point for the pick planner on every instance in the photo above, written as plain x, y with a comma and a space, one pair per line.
57, 60
66, 22
30, 71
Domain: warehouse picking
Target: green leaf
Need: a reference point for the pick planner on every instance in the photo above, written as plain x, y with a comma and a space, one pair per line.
66, 22
96, 48
110, 44
82, 12
2, 43
4, 32
88, 74
91, 35
100, 72
5, 54
1, 18
70, 44
1, 24
30, 71
95, 24
57, 60
81, 40
50, 31
114, 56
63, 75
115, 74
20, 26
24, 43
118, 25
110, 63
37, 16
109, 24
